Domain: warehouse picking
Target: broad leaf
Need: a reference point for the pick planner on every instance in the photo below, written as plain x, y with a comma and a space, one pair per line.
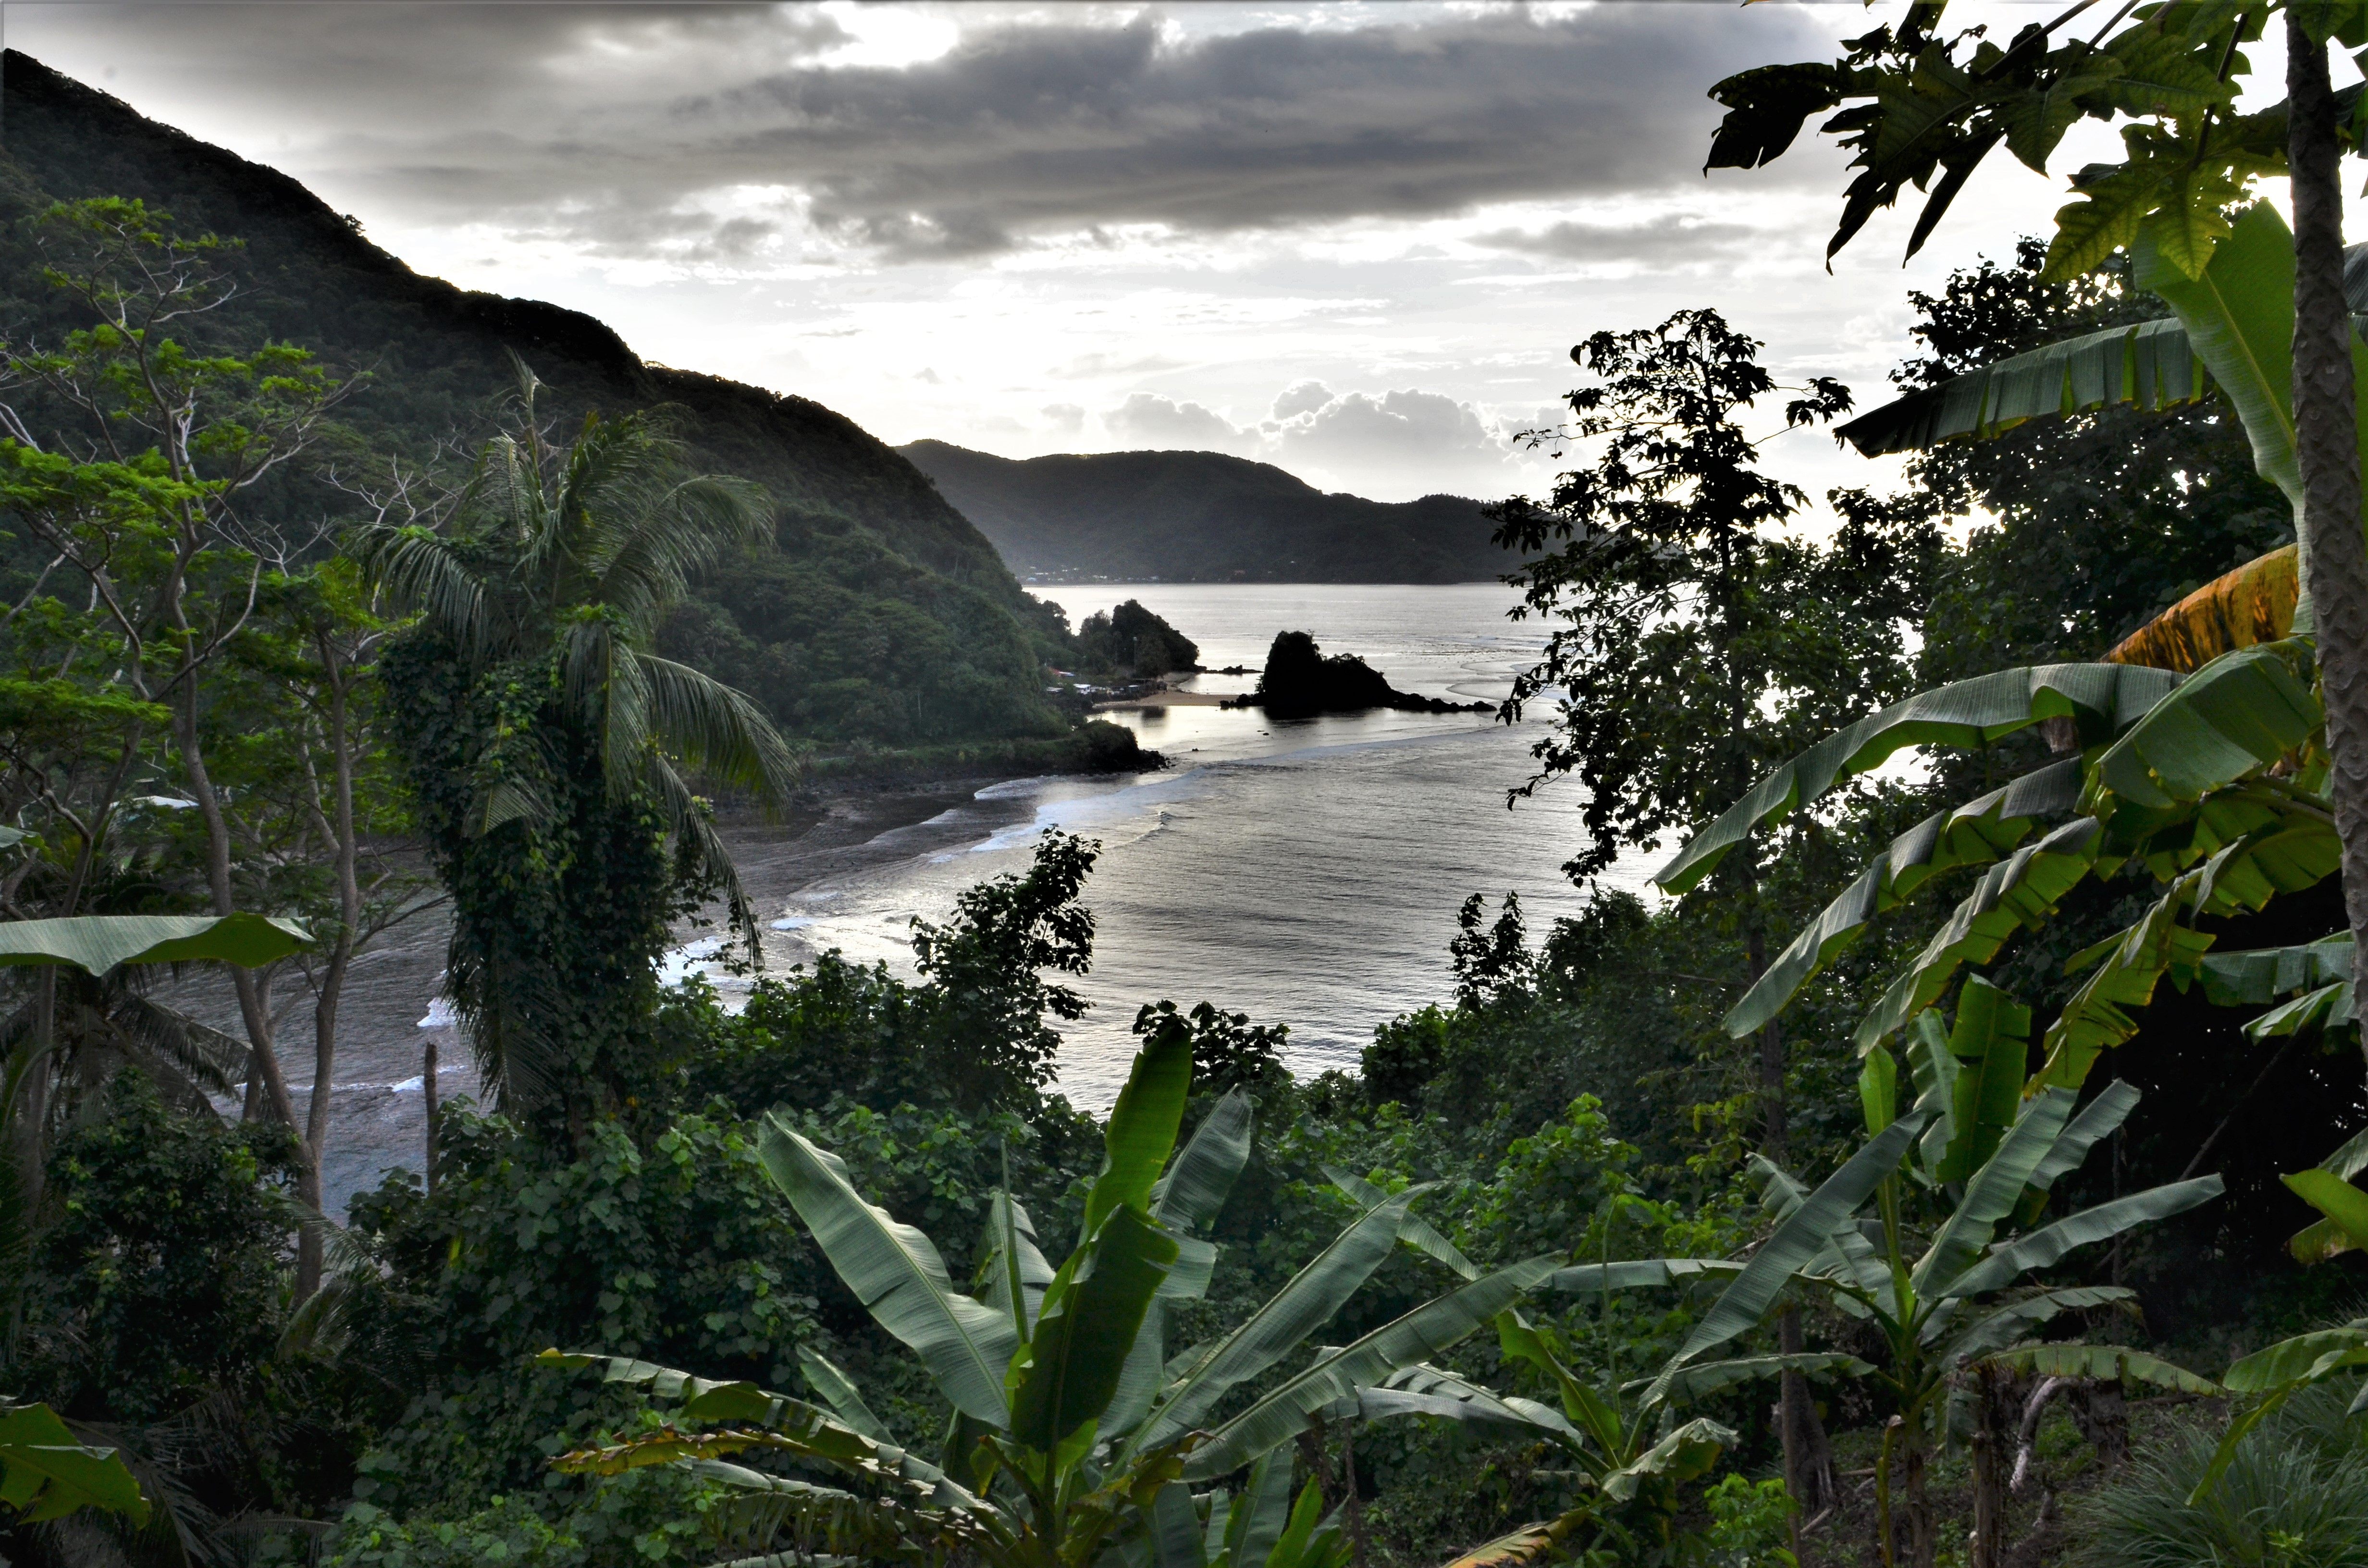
1280, 1323
46, 1474
1706, 1378
1801, 1236
2343, 1204
2150, 366
2011, 1323
2101, 1363
1176, 1530
1975, 834
1141, 1132
1992, 1038
1686, 1454
98, 943
2238, 318
1090, 1321
2018, 893
2238, 715
2098, 1117
1645, 1272
836, 1390
1991, 1194
898, 1276
2252, 605
1197, 1183
1282, 1413
2044, 1247
2103, 699
2260, 975
1417, 1232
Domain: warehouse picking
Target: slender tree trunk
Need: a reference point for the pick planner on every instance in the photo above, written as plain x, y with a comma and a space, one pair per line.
333, 979
263, 1059
1351, 1500
1923, 1538
427, 1082
1808, 1457
1993, 1429
2327, 448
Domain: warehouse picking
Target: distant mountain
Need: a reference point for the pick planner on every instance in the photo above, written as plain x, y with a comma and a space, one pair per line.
1203, 517
882, 615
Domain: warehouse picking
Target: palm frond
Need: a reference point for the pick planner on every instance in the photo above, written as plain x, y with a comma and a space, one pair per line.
421, 571
716, 729
505, 1010
211, 1059
687, 819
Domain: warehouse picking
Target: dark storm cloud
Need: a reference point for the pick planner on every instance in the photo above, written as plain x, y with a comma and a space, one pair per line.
1672, 240
1024, 129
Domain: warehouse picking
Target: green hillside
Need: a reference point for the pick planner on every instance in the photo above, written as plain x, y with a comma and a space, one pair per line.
882, 617
1203, 517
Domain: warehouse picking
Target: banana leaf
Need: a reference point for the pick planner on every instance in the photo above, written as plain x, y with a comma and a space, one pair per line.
1425, 1390
1992, 1038
2149, 366
1203, 1174
1687, 1454
1991, 1194
2345, 1206
1281, 1413
2260, 975
1417, 1232
46, 1474
2239, 714
1257, 1522
897, 1274
1645, 1272
2009, 1325
2101, 1363
98, 943
1177, 1538
1141, 1132
2105, 699
836, 1390
1069, 1369
2019, 892
1795, 1242
2127, 967
1516, 1549
2097, 1119
2252, 605
1704, 1379
1975, 834
1280, 1323
2045, 1247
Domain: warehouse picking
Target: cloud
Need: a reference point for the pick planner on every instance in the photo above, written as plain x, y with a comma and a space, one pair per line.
1375, 444
1304, 398
1675, 238
603, 126
1066, 418
1151, 422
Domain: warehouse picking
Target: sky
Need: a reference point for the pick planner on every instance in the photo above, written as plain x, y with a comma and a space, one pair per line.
1353, 240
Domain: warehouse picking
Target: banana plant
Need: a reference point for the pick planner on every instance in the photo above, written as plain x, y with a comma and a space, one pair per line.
1069, 1421
1263, 1527
1982, 1159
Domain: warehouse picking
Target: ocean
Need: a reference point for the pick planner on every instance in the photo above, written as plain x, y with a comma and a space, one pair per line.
1304, 872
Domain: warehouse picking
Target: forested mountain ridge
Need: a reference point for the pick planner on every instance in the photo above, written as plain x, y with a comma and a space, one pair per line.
883, 615
1203, 516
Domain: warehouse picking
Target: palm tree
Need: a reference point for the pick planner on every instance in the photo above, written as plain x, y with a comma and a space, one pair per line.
546, 743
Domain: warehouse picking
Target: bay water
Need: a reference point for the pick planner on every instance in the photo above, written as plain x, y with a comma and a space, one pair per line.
1305, 872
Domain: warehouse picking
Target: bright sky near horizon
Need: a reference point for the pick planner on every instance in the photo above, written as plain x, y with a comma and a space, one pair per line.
1356, 240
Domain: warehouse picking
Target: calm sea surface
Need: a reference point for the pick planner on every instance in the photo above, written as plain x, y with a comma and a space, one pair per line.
1305, 872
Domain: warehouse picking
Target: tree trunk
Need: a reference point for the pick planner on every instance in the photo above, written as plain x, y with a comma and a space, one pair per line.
2326, 450
333, 979
1351, 1499
1808, 1457
1995, 1409
428, 1084
1922, 1537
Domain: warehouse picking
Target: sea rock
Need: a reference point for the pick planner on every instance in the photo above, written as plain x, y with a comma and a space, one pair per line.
1301, 679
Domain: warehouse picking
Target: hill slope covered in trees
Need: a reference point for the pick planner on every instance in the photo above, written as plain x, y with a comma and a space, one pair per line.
882, 616
1203, 517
